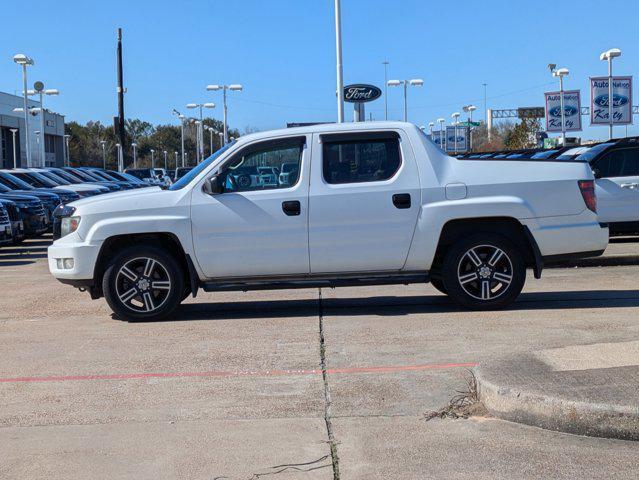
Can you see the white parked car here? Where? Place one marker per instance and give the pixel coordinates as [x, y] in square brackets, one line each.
[372, 203]
[616, 168]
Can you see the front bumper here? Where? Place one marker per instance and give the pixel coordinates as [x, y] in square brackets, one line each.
[35, 224]
[84, 259]
[6, 234]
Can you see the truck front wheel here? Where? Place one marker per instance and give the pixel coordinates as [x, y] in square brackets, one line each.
[143, 283]
[484, 272]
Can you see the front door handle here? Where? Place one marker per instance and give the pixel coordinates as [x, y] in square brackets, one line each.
[401, 200]
[631, 186]
[292, 207]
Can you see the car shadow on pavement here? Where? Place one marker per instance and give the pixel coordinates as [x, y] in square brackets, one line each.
[396, 305]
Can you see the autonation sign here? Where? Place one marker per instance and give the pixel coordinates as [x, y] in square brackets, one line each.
[621, 101]
[572, 111]
[456, 139]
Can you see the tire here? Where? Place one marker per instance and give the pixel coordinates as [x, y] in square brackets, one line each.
[129, 280]
[438, 284]
[484, 272]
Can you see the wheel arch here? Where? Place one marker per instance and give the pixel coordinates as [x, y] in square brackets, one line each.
[165, 240]
[509, 227]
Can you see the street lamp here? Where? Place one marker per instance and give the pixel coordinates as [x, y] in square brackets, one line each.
[200, 133]
[103, 143]
[15, 150]
[119, 147]
[561, 73]
[608, 56]
[415, 82]
[235, 87]
[152, 158]
[40, 90]
[441, 122]
[166, 163]
[430, 128]
[66, 142]
[470, 109]
[198, 130]
[24, 61]
[385, 63]
[176, 159]
[135, 156]
[181, 117]
[211, 130]
[455, 116]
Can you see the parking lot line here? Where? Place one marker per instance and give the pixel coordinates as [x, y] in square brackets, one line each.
[238, 373]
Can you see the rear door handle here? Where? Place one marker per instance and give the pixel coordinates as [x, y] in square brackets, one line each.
[631, 186]
[401, 200]
[292, 207]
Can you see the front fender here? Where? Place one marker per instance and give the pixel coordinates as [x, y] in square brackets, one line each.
[433, 216]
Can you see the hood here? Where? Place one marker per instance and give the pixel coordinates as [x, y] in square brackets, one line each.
[122, 201]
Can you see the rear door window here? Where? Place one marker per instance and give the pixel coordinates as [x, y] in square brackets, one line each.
[371, 158]
[618, 163]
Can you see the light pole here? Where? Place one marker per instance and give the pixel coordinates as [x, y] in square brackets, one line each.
[119, 150]
[24, 61]
[338, 62]
[200, 133]
[39, 90]
[135, 156]
[608, 55]
[37, 137]
[561, 73]
[66, 142]
[441, 122]
[152, 158]
[470, 109]
[386, 63]
[234, 87]
[181, 117]
[166, 163]
[176, 159]
[15, 150]
[430, 128]
[415, 82]
[211, 130]
[455, 117]
[103, 143]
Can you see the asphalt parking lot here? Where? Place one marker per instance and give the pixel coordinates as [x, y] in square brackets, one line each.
[232, 386]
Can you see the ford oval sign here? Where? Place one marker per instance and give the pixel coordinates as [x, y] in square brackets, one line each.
[617, 100]
[569, 111]
[360, 93]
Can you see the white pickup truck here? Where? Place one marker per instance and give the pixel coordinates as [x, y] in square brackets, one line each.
[369, 203]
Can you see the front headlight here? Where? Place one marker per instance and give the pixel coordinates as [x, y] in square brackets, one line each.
[69, 225]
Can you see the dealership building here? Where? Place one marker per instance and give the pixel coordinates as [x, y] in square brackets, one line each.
[10, 120]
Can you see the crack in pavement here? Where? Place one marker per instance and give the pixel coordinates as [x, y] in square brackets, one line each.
[327, 390]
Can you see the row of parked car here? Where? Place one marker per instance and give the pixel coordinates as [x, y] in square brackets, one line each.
[615, 165]
[29, 196]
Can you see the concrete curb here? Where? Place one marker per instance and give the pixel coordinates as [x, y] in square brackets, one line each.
[533, 407]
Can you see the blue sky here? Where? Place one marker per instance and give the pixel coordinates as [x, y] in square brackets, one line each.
[283, 52]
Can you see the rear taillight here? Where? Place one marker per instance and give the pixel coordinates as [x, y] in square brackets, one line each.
[587, 188]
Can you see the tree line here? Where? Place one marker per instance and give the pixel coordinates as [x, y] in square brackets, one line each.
[85, 147]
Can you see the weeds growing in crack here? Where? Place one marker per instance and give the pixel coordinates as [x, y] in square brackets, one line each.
[463, 405]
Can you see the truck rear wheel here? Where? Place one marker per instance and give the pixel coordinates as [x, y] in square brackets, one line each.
[484, 272]
[143, 283]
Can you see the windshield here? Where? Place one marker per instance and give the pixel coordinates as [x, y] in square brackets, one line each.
[186, 179]
[14, 183]
[86, 176]
[572, 153]
[544, 154]
[34, 179]
[591, 153]
[55, 178]
[67, 176]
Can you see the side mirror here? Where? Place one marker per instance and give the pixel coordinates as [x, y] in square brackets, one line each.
[213, 185]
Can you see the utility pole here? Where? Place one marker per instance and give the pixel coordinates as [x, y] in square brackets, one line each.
[120, 131]
[340, 72]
